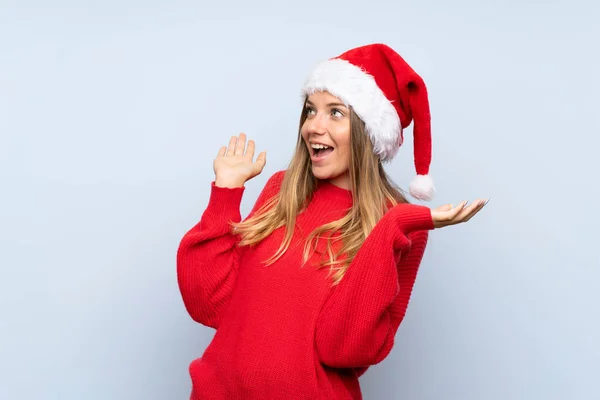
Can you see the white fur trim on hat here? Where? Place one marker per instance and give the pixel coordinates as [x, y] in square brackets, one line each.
[358, 89]
[422, 188]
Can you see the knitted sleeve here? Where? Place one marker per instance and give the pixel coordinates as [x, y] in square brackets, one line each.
[207, 256]
[357, 324]
[408, 267]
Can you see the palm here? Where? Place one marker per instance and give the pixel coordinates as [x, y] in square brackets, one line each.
[234, 165]
[447, 215]
[242, 165]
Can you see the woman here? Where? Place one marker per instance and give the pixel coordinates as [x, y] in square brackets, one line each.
[309, 290]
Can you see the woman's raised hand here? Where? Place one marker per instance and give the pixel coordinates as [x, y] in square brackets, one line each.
[234, 166]
[447, 215]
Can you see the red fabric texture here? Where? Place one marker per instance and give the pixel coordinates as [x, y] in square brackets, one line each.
[282, 331]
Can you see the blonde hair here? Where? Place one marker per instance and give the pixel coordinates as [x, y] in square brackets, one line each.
[373, 194]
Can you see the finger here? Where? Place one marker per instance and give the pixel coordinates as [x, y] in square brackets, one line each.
[467, 209]
[231, 148]
[444, 218]
[470, 211]
[454, 212]
[476, 210]
[250, 149]
[261, 160]
[259, 164]
[240, 147]
[445, 207]
[222, 151]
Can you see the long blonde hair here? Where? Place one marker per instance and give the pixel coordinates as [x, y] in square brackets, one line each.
[373, 193]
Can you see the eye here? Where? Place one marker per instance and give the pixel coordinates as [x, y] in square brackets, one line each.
[309, 110]
[337, 113]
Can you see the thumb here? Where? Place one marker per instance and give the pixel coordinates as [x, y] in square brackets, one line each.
[261, 161]
[445, 207]
[262, 157]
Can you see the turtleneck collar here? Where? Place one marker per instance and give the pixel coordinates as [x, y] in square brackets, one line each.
[330, 190]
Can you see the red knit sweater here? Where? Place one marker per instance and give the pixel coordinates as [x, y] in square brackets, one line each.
[282, 331]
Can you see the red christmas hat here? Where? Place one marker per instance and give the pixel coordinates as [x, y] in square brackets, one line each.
[387, 94]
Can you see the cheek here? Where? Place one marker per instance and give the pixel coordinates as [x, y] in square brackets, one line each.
[303, 133]
[345, 153]
[343, 142]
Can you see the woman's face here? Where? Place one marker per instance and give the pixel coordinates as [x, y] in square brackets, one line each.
[328, 124]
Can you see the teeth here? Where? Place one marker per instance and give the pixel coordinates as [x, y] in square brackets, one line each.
[319, 146]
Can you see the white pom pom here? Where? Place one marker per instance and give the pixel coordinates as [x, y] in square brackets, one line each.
[422, 187]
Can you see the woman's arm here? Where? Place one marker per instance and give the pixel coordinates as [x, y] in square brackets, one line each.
[207, 257]
[408, 266]
[358, 323]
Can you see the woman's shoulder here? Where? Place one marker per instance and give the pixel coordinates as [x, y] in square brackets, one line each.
[274, 183]
[276, 178]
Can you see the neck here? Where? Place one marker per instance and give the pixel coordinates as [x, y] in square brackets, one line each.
[342, 181]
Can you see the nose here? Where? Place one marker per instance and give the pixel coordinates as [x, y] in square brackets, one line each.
[317, 124]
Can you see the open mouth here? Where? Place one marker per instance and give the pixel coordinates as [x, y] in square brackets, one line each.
[321, 151]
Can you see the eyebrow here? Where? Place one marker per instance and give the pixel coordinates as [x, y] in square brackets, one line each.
[329, 104]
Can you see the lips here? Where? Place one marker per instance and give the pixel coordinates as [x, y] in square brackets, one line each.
[321, 155]
[324, 144]
[314, 151]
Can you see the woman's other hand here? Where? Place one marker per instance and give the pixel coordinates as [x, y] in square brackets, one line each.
[448, 215]
[234, 165]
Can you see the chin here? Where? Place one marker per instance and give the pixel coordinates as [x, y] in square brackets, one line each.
[320, 172]
[324, 173]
